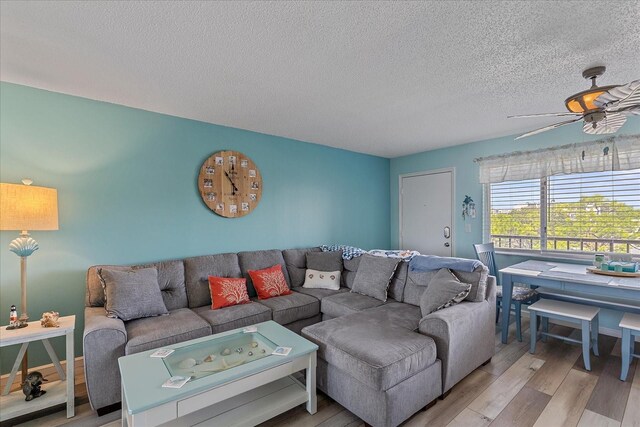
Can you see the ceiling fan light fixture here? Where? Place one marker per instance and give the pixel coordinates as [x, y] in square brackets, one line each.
[585, 101]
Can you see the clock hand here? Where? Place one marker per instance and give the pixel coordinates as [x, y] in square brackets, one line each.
[232, 183]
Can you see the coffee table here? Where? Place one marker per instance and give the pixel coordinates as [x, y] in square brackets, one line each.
[229, 387]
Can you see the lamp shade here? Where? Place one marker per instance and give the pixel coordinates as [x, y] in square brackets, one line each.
[26, 207]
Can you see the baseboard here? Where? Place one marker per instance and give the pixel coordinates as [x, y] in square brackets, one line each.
[616, 333]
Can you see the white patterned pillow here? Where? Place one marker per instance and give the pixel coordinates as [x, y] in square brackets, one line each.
[322, 279]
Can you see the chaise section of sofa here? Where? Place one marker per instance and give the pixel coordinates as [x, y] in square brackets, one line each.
[376, 365]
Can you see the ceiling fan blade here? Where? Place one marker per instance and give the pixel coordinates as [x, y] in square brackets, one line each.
[620, 96]
[521, 116]
[632, 109]
[546, 128]
[610, 124]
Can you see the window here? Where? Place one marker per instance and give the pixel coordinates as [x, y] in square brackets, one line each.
[578, 198]
[583, 212]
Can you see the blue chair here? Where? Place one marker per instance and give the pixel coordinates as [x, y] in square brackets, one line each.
[485, 252]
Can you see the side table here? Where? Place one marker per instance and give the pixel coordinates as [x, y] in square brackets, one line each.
[13, 404]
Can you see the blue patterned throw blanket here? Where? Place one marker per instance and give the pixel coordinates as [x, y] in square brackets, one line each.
[403, 255]
[348, 252]
[431, 262]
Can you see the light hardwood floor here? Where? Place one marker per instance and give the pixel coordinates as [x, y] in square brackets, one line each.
[517, 389]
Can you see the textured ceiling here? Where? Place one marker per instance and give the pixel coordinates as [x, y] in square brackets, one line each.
[382, 78]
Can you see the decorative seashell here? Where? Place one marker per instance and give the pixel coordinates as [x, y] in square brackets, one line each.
[187, 363]
[263, 351]
[23, 246]
[226, 352]
[251, 353]
[254, 344]
[210, 358]
[239, 350]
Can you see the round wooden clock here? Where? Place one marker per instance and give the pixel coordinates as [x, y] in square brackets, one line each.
[230, 184]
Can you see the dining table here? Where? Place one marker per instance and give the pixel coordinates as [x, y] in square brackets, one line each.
[570, 282]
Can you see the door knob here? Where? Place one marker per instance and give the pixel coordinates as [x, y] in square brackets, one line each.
[447, 232]
[446, 245]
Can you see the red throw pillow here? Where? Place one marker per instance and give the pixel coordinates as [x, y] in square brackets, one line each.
[226, 291]
[269, 282]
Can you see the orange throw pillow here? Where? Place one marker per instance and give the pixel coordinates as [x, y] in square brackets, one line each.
[269, 282]
[226, 291]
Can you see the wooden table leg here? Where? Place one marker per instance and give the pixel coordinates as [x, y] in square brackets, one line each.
[507, 288]
[22, 353]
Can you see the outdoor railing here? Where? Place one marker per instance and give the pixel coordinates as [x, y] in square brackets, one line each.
[581, 244]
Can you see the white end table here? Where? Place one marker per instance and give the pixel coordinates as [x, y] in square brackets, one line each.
[13, 404]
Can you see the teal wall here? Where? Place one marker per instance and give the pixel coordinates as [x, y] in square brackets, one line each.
[126, 181]
[466, 174]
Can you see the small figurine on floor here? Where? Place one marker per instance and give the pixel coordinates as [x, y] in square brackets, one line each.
[31, 385]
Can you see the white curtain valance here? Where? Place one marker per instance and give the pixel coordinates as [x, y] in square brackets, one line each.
[614, 153]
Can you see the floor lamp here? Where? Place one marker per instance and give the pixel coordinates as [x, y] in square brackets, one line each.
[26, 207]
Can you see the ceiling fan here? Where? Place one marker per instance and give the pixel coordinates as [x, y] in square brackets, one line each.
[603, 108]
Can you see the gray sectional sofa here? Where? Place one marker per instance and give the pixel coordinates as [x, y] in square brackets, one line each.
[381, 360]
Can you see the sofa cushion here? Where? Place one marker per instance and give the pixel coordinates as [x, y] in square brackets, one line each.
[170, 281]
[371, 348]
[289, 308]
[444, 290]
[318, 293]
[345, 303]
[132, 294]
[296, 262]
[400, 314]
[197, 271]
[154, 332]
[416, 285]
[374, 276]
[325, 261]
[350, 270]
[396, 288]
[478, 280]
[237, 316]
[258, 260]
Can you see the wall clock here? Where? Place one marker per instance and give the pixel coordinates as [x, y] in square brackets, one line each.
[230, 184]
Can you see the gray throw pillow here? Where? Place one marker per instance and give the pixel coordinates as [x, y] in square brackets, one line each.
[374, 276]
[132, 294]
[444, 290]
[325, 261]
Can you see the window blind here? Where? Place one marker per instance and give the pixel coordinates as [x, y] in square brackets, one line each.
[592, 212]
[515, 214]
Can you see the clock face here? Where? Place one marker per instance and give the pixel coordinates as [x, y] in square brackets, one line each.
[230, 184]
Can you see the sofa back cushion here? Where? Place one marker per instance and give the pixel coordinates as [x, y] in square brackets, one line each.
[478, 280]
[170, 279]
[416, 285]
[396, 289]
[197, 271]
[259, 260]
[296, 262]
[350, 270]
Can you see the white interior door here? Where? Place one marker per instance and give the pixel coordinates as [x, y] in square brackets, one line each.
[426, 212]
